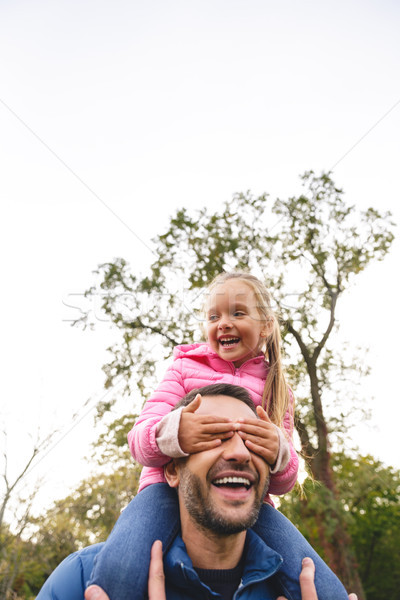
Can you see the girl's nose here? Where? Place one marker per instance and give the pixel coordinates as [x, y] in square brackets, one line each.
[225, 323]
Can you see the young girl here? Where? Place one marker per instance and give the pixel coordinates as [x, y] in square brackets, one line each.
[243, 349]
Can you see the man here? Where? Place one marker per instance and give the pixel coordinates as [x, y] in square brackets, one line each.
[220, 492]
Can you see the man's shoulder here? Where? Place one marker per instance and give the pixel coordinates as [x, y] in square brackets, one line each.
[68, 580]
[259, 556]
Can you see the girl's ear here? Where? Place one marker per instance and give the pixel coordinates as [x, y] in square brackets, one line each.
[267, 328]
[171, 473]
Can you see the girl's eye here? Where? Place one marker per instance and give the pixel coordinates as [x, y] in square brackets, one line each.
[239, 313]
[212, 317]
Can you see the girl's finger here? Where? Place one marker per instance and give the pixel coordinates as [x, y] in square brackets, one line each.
[255, 423]
[209, 419]
[217, 428]
[206, 439]
[263, 414]
[262, 452]
[264, 432]
[193, 406]
[203, 446]
[253, 439]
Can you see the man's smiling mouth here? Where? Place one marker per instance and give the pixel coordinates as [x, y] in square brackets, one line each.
[233, 482]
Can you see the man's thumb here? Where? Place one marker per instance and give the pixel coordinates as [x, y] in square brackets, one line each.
[94, 592]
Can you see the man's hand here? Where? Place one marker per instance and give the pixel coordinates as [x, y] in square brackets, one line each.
[202, 432]
[260, 436]
[156, 585]
[95, 592]
[308, 591]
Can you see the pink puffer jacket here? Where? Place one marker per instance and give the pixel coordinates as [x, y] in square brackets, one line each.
[194, 366]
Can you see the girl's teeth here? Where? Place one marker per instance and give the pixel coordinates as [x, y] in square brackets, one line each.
[229, 342]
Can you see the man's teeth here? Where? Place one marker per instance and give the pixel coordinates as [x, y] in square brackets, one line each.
[235, 480]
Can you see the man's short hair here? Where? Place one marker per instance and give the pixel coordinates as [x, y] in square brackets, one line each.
[219, 389]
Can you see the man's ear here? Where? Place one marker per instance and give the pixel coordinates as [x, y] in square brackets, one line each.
[171, 473]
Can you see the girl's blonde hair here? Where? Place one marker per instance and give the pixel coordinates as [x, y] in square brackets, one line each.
[275, 398]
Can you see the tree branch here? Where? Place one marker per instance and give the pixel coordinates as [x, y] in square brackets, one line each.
[319, 347]
[153, 329]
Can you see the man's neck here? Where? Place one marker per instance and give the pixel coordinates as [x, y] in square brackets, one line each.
[208, 550]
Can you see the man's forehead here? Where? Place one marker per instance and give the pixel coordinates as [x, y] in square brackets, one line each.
[224, 406]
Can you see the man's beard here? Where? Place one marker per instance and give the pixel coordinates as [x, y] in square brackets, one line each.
[200, 507]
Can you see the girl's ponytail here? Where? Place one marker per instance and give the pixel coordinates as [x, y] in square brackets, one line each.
[275, 399]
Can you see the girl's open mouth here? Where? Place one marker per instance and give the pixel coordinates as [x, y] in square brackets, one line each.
[229, 342]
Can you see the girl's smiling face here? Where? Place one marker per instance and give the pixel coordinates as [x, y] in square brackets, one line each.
[235, 327]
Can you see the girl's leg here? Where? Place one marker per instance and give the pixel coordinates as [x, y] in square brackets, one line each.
[121, 568]
[283, 537]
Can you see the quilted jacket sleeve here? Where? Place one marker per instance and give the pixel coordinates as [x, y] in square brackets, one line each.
[283, 481]
[142, 438]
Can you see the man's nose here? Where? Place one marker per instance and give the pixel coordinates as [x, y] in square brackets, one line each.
[235, 449]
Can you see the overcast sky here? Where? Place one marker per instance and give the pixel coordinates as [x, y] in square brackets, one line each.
[115, 114]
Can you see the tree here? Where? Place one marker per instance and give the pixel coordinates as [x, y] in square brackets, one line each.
[84, 517]
[370, 497]
[370, 492]
[15, 516]
[308, 249]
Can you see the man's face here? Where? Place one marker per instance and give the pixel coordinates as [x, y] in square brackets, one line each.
[222, 489]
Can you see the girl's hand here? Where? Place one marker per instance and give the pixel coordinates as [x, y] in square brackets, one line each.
[202, 432]
[260, 436]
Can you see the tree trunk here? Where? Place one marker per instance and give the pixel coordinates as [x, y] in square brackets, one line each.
[338, 548]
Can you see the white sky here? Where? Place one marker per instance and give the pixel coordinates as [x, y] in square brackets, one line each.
[160, 104]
